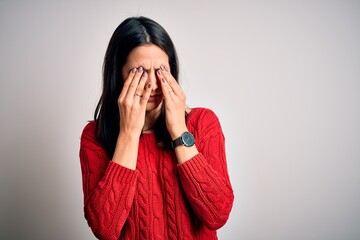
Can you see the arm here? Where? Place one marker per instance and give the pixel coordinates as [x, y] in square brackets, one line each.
[206, 183]
[203, 175]
[109, 186]
[109, 190]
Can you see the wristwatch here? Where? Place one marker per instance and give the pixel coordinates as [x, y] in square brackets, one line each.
[186, 139]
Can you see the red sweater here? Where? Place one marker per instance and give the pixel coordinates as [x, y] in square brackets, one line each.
[160, 199]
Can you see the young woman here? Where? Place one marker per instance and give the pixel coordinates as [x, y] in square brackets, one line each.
[151, 167]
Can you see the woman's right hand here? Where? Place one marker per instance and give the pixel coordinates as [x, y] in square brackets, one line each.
[132, 107]
[132, 102]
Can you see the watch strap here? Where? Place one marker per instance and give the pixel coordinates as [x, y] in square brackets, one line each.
[177, 142]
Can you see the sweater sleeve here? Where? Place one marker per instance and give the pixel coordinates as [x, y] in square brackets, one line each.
[205, 178]
[108, 187]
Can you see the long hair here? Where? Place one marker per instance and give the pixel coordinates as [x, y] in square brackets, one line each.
[131, 33]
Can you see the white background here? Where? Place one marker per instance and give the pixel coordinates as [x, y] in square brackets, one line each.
[282, 76]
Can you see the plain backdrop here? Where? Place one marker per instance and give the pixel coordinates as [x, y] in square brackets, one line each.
[282, 76]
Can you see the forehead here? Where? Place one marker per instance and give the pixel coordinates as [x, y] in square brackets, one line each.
[147, 56]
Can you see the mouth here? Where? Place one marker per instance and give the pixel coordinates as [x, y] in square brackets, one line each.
[155, 97]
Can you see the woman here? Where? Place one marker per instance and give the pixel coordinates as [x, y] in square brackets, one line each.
[151, 167]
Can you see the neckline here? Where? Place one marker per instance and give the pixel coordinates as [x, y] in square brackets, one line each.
[189, 114]
[147, 133]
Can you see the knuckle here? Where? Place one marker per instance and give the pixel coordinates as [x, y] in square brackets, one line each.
[120, 99]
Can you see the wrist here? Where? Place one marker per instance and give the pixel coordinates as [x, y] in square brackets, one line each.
[127, 137]
[177, 133]
[126, 150]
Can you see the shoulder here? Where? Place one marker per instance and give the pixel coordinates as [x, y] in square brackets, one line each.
[88, 137]
[202, 115]
[203, 120]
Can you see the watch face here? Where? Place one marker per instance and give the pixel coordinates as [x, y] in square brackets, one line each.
[188, 139]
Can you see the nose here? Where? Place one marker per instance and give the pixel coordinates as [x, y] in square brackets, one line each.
[152, 79]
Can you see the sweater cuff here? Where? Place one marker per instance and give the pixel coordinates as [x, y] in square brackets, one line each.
[193, 165]
[120, 173]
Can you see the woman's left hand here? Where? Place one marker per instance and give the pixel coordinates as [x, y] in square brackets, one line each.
[175, 102]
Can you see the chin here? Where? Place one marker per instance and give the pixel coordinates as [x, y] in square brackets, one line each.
[150, 106]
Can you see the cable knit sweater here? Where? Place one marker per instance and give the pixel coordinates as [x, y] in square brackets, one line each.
[160, 199]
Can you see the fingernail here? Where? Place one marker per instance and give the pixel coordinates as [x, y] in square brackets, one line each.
[133, 70]
[140, 69]
[163, 80]
[159, 72]
[149, 85]
[144, 74]
[166, 68]
[162, 67]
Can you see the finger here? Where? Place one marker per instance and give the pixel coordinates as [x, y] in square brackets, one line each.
[128, 82]
[173, 84]
[134, 83]
[146, 95]
[140, 87]
[166, 90]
